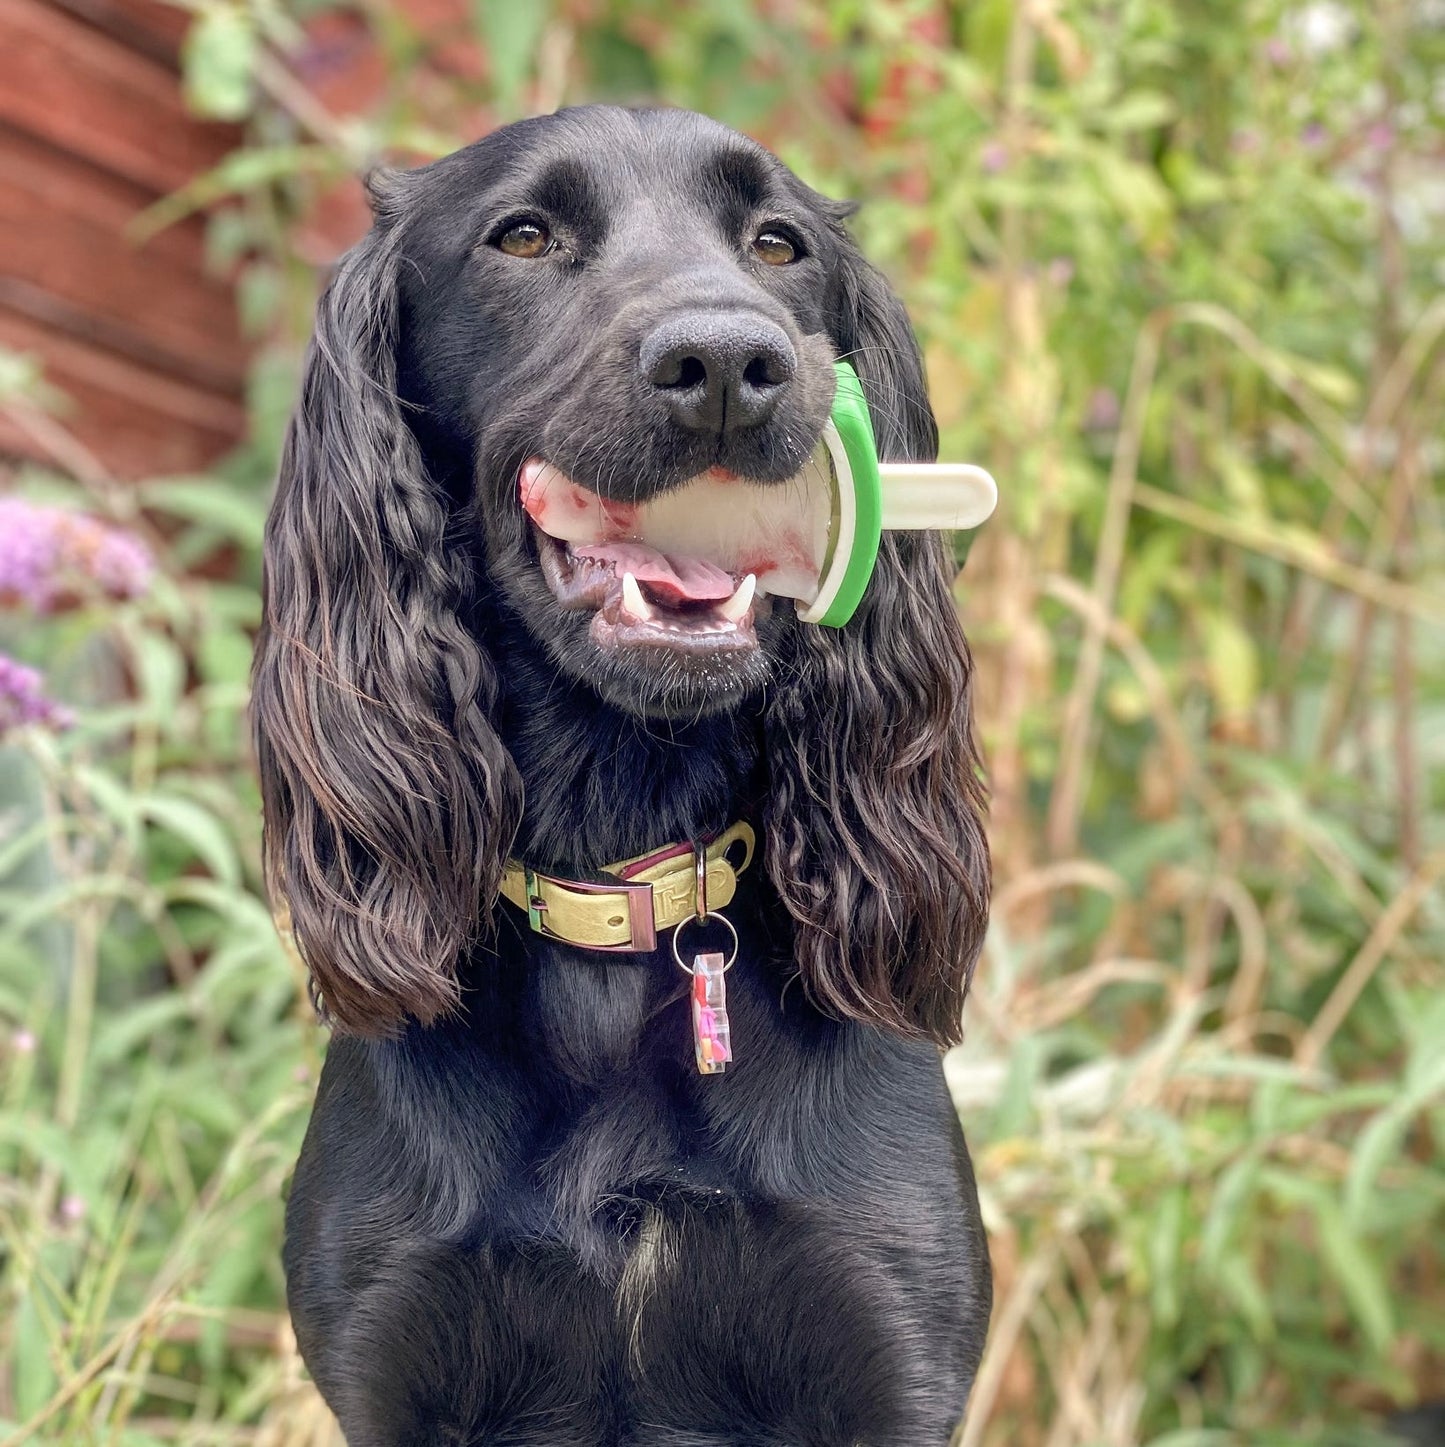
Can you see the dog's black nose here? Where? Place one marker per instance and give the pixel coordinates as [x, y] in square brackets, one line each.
[718, 371]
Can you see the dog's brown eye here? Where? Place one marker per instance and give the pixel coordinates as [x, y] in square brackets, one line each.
[526, 239]
[774, 248]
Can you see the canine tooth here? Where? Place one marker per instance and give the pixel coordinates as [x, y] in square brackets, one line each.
[632, 600]
[736, 606]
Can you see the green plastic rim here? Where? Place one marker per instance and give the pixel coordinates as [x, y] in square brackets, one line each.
[859, 503]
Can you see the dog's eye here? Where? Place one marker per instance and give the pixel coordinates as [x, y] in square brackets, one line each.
[774, 248]
[526, 239]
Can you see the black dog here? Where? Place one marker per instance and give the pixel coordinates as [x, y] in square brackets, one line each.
[522, 1215]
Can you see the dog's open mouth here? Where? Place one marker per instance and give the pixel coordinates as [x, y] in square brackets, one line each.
[643, 599]
[690, 571]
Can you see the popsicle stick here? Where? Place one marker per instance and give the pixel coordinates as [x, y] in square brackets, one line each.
[935, 495]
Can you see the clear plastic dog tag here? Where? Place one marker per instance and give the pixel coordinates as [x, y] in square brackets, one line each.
[710, 1035]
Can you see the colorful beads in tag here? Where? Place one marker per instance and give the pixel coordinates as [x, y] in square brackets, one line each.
[711, 1034]
[711, 1037]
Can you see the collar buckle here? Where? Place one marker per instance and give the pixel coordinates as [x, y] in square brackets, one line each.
[638, 895]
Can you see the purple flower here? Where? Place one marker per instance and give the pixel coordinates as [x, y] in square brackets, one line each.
[1380, 136]
[120, 563]
[23, 700]
[1314, 135]
[1277, 51]
[50, 557]
[993, 157]
[1101, 413]
[1061, 270]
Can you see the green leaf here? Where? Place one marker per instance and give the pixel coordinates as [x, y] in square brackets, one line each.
[32, 1376]
[1194, 1437]
[1015, 1109]
[1232, 662]
[210, 502]
[162, 673]
[1166, 1235]
[1425, 1074]
[224, 655]
[119, 1035]
[238, 173]
[1226, 1211]
[1376, 1145]
[112, 797]
[197, 827]
[15, 850]
[1141, 197]
[219, 57]
[510, 31]
[1382, 1140]
[623, 70]
[1238, 1282]
[1359, 1277]
[42, 1141]
[1138, 111]
[17, 917]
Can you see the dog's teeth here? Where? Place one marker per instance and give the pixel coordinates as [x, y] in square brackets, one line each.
[736, 606]
[632, 600]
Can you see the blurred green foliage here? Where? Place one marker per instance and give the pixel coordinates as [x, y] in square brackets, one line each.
[1177, 268]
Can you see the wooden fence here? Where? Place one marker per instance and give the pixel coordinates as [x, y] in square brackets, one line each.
[141, 337]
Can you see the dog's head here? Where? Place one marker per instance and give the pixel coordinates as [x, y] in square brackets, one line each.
[620, 302]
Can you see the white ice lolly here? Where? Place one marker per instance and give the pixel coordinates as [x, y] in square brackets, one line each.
[813, 538]
[947, 495]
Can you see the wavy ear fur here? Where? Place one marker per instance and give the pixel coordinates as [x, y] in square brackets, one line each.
[390, 802]
[874, 832]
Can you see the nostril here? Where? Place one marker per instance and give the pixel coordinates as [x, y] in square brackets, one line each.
[766, 372]
[690, 373]
[678, 369]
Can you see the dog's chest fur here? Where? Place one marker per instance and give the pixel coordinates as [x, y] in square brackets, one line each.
[620, 1262]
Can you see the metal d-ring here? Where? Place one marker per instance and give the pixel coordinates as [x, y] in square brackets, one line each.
[699, 897]
[722, 919]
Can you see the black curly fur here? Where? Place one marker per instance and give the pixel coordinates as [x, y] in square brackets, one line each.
[520, 1215]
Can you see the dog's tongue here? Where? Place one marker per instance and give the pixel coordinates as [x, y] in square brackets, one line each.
[670, 580]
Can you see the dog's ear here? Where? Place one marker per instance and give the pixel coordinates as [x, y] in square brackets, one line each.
[875, 838]
[389, 799]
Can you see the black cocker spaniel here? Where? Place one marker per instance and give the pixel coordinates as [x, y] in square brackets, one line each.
[523, 1213]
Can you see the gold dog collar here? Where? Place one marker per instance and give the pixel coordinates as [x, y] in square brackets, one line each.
[655, 892]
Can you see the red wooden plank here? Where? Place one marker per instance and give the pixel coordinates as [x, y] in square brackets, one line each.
[139, 422]
[168, 23]
[102, 287]
[76, 188]
[148, 27]
[84, 91]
